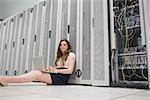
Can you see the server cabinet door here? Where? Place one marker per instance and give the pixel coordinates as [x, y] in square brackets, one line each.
[146, 6]
[99, 43]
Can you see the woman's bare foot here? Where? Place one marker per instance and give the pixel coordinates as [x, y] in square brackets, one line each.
[3, 82]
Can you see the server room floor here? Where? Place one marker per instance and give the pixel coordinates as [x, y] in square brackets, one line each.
[40, 91]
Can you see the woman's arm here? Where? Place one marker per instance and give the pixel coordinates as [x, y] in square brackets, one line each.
[70, 67]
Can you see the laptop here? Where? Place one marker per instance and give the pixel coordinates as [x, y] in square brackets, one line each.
[38, 62]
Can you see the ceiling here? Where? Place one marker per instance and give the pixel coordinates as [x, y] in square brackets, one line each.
[12, 7]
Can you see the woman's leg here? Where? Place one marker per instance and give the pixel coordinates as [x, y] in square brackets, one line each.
[28, 77]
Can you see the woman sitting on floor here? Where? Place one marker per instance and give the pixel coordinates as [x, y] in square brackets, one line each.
[65, 59]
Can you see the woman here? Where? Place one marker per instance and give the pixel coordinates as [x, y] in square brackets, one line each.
[64, 66]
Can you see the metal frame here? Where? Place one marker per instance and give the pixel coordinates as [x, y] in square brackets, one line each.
[146, 10]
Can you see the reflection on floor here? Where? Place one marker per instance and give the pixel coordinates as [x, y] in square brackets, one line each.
[40, 91]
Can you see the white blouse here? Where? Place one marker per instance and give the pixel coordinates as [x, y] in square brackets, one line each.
[71, 56]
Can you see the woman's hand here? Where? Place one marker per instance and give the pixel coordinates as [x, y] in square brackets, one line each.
[50, 68]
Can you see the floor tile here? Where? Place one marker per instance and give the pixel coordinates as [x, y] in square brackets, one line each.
[40, 91]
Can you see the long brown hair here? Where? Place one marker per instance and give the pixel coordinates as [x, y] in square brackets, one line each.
[60, 54]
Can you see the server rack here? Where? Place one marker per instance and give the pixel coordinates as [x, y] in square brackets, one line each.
[146, 9]
[18, 43]
[6, 45]
[37, 31]
[3, 46]
[24, 43]
[128, 44]
[92, 43]
[52, 31]
[72, 31]
[49, 32]
[9, 46]
[1, 43]
[46, 32]
[100, 43]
